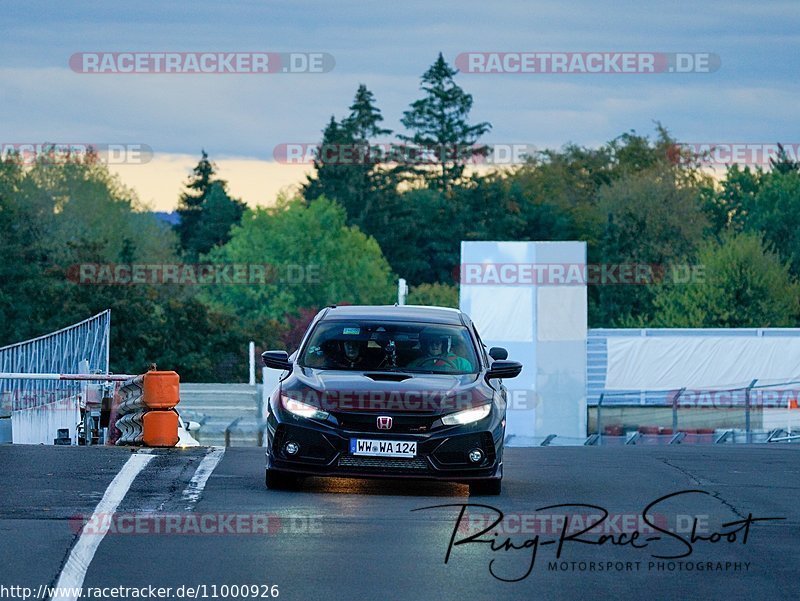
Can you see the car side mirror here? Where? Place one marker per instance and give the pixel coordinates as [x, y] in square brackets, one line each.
[498, 353]
[277, 360]
[504, 369]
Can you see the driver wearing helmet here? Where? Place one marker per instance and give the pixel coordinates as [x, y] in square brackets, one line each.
[437, 354]
[352, 354]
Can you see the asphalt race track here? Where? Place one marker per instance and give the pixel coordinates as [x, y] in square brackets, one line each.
[358, 539]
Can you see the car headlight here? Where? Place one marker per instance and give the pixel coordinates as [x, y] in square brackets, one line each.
[467, 416]
[295, 407]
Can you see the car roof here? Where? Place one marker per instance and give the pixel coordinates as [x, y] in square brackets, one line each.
[441, 315]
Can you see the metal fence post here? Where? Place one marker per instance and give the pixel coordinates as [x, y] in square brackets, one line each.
[599, 418]
[747, 430]
[675, 409]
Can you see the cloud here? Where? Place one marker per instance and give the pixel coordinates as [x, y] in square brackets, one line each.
[387, 47]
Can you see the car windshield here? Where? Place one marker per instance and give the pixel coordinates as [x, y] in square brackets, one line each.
[391, 346]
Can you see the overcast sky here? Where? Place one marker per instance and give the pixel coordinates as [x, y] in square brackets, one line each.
[240, 118]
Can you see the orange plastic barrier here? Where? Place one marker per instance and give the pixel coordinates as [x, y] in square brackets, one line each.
[161, 389]
[160, 429]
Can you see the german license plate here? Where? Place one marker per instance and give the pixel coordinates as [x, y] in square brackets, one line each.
[383, 448]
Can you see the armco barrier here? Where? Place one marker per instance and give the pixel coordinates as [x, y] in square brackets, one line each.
[144, 410]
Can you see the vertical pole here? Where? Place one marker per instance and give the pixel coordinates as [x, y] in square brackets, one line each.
[252, 354]
[600, 418]
[675, 410]
[107, 334]
[83, 368]
[747, 430]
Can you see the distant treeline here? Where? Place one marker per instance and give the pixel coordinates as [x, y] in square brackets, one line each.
[356, 226]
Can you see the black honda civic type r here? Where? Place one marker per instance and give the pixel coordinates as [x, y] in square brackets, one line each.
[389, 391]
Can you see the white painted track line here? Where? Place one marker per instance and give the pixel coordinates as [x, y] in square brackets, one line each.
[80, 557]
[192, 492]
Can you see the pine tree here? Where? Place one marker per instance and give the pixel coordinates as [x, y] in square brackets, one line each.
[190, 203]
[348, 163]
[782, 163]
[365, 118]
[220, 213]
[440, 126]
[367, 179]
[331, 178]
[207, 211]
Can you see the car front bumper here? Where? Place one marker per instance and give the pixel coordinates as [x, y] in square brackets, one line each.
[441, 454]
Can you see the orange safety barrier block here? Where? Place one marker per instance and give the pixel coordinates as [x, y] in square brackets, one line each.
[161, 389]
[160, 429]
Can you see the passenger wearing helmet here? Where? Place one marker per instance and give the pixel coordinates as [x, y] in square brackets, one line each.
[437, 355]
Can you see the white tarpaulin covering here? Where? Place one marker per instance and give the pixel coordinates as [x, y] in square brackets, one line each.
[650, 363]
[514, 323]
[520, 297]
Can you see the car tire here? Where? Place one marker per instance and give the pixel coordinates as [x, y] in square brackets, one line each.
[275, 480]
[488, 488]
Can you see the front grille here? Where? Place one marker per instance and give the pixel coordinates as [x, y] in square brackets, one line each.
[384, 464]
[401, 424]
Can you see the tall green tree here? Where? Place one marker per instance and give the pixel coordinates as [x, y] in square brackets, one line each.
[332, 178]
[742, 285]
[370, 183]
[206, 210]
[651, 220]
[783, 163]
[190, 203]
[730, 204]
[439, 126]
[219, 214]
[364, 120]
[348, 166]
[775, 214]
[313, 259]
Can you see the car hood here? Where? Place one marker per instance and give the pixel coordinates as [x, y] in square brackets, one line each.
[334, 390]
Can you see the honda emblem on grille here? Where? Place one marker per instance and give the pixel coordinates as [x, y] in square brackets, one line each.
[384, 422]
